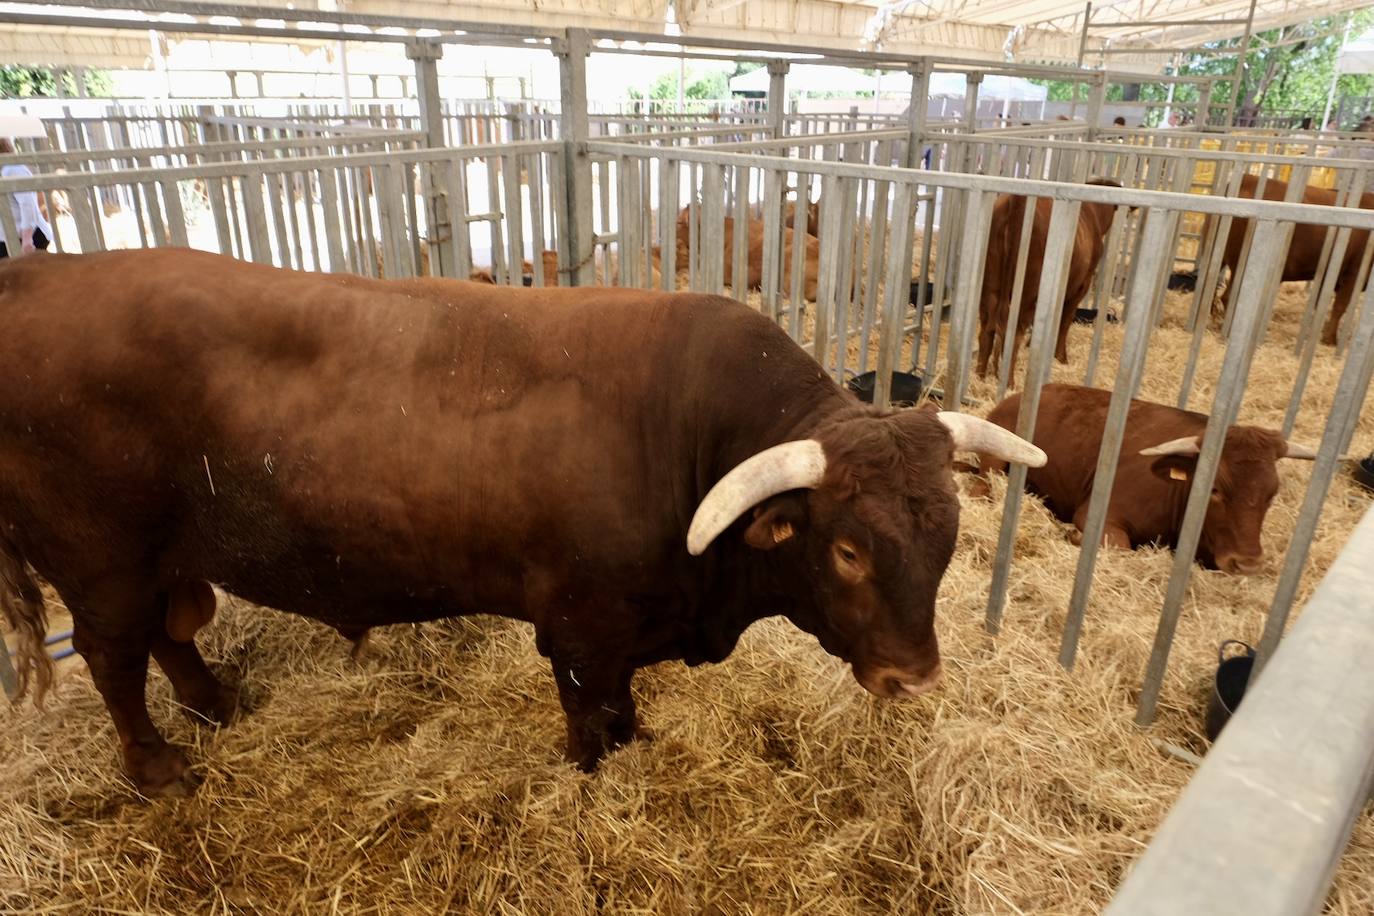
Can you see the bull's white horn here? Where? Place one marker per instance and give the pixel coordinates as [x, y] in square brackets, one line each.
[1188, 445]
[1303, 452]
[974, 434]
[798, 465]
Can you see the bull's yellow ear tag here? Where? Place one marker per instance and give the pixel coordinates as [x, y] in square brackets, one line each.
[1178, 474]
[782, 532]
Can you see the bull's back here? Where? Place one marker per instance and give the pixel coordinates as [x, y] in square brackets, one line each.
[290, 434]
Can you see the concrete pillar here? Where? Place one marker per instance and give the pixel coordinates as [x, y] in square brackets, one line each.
[777, 98]
[59, 82]
[1204, 105]
[975, 80]
[577, 243]
[376, 92]
[79, 78]
[1097, 97]
[426, 55]
[916, 114]
[233, 83]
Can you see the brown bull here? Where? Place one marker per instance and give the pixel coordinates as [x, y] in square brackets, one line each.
[639, 475]
[1004, 244]
[1305, 249]
[1158, 458]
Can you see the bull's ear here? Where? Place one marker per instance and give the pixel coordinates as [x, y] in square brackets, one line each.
[1175, 467]
[776, 521]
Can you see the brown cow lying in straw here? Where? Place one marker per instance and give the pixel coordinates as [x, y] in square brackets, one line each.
[1158, 458]
[1004, 243]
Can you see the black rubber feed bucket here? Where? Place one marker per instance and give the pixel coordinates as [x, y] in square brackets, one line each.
[1228, 687]
[1363, 472]
[905, 387]
[1088, 316]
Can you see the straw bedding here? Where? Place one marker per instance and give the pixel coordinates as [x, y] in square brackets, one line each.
[428, 776]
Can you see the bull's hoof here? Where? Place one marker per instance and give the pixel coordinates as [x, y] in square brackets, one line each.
[226, 708]
[160, 772]
[222, 709]
[585, 748]
[1075, 537]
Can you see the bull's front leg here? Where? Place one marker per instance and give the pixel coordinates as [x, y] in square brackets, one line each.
[595, 693]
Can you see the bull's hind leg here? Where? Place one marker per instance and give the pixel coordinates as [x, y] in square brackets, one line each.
[1338, 307]
[113, 628]
[196, 687]
[189, 606]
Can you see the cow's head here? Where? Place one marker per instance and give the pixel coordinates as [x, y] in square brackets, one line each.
[861, 522]
[1246, 482]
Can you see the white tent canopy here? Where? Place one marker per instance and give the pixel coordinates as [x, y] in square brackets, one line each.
[975, 30]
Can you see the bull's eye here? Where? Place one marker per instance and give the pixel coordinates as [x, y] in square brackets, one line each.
[847, 562]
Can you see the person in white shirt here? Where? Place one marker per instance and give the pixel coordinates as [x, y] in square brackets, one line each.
[35, 232]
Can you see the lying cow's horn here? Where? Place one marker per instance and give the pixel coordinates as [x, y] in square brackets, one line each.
[974, 434]
[1302, 452]
[790, 466]
[1188, 445]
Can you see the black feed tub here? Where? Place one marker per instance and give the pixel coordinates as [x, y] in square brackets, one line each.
[1228, 687]
[1363, 472]
[905, 388]
[1088, 316]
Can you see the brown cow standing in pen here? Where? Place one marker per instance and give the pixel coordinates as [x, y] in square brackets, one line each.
[1004, 243]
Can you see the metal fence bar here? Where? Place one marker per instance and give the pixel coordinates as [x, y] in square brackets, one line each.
[964, 313]
[1155, 260]
[1261, 826]
[1048, 307]
[1346, 404]
[1230, 387]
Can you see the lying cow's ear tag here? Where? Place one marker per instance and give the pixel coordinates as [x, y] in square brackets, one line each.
[1178, 474]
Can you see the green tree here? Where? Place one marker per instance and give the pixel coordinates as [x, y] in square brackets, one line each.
[1287, 69]
[18, 82]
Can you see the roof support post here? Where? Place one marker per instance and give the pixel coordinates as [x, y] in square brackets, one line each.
[1083, 38]
[916, 113]
[1097, 97]
[975, 79]
[577, 163]
[426, 56]
[343, 79]
[777, 98]
[1240, 67]
[1204, 105]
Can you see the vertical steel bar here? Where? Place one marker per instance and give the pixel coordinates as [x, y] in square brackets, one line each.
[1048, 305]
[1156, 259]
[1230, 388]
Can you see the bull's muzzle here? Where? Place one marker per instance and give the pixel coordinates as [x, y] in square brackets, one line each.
[894, 683]
[1241, 565]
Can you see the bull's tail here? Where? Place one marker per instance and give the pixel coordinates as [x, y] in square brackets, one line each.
[22, 604]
